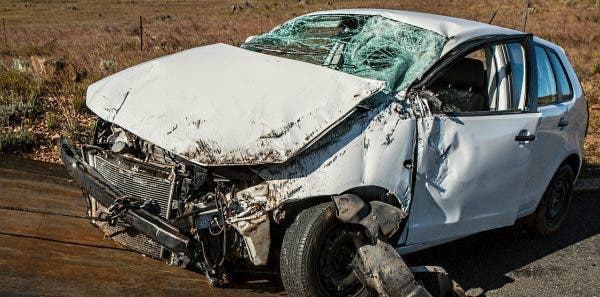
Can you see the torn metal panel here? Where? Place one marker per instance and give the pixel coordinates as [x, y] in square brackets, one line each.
[382, 270]
[379, 218]
[222, 105]
[445, 285]
[256, 233]
[368, 149]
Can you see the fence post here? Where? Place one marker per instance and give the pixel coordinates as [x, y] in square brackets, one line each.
[525, 13]
[141, 35]
[4, 28]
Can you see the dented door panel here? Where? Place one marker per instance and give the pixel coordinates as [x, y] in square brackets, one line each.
[470, 174]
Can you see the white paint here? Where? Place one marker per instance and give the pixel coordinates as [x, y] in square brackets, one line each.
[369, 150]
[471, 175]
[554, 144]
[222, 105]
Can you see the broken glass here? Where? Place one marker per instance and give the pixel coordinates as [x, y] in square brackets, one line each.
[368, 46]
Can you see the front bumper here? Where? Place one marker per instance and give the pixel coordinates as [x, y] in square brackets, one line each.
[93, 184]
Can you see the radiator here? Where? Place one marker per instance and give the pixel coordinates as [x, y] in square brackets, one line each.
[141, 180]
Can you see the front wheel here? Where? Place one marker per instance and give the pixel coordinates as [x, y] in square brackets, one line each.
[316, 253]
[552, 209]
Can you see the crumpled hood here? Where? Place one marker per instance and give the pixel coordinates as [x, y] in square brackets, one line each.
[223, 105]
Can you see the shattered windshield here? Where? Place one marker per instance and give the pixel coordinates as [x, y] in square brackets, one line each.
[368, 46]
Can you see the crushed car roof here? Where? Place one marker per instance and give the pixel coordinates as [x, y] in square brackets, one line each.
[455, 29]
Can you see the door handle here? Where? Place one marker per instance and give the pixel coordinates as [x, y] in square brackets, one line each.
[563, 123]
[530, 137]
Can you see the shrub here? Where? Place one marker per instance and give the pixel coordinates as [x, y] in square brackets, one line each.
[14, 83]
[15, 111]
[16, 142]
[52, 121]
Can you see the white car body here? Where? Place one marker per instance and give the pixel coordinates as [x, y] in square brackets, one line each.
[304, 130]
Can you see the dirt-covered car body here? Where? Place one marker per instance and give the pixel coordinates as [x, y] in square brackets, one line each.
[230, 143]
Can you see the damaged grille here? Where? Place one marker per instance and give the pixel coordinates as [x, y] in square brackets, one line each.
[127, 236]
[140, 180]
[137, 184]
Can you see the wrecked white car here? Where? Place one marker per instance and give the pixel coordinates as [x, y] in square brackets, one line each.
[333, 133]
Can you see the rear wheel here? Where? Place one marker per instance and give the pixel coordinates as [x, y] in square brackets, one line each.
[316, 253]
[552, 209]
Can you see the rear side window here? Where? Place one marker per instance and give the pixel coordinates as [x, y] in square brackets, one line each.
[564, 86]
[546, 83]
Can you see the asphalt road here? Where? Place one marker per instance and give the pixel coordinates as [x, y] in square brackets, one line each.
[55, 256]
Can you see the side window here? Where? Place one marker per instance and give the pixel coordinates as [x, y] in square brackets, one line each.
[481, 81]
[564, 85]
[546, 84]
[516, 56]
[462, 87]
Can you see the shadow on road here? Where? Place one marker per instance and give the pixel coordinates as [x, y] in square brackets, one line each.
[67, 242]
[483, 260]
[257, 283]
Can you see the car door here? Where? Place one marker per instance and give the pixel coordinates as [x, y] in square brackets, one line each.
[474, 146]
[554, 100]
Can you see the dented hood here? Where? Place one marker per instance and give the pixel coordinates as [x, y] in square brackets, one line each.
[223, 105]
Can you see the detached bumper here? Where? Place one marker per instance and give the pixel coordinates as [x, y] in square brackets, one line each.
[92, 183]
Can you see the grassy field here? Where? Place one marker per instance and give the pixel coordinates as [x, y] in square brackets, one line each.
[51, 50]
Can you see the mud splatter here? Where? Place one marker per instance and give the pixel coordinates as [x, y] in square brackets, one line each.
[172, 129]
[277, 133]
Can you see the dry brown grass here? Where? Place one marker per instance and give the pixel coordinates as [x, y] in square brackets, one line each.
[100, 38]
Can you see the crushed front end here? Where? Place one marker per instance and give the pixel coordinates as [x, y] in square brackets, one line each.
[164, 207]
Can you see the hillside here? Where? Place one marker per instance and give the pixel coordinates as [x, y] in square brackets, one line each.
[51, 50]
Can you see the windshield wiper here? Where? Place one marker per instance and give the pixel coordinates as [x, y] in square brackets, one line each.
[281, 51]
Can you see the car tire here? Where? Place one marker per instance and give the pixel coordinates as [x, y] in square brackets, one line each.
[553, 206]
[316, 251]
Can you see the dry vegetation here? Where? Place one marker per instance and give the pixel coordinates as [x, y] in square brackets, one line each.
[51, 50]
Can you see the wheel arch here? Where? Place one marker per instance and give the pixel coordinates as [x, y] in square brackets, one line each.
[366, 192]
[574, 161]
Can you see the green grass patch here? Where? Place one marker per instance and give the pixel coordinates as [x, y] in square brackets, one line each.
[20, 97]
[17, 84]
